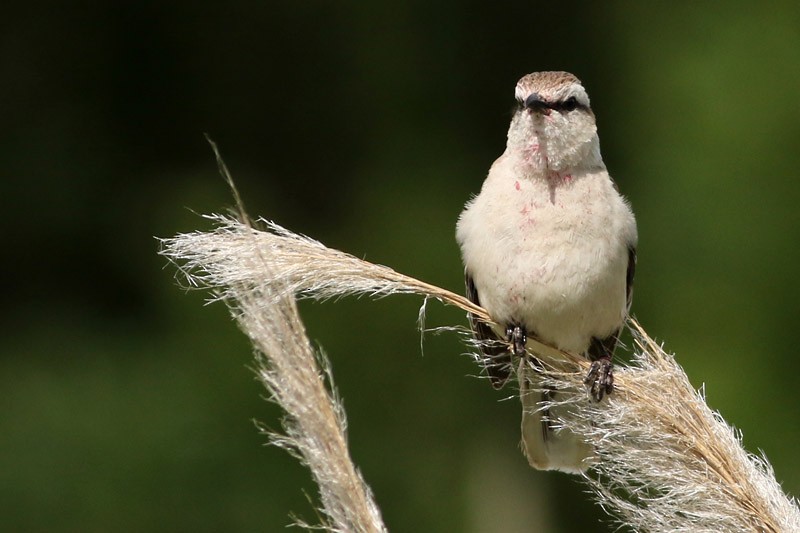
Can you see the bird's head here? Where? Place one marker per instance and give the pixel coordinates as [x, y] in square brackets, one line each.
[553, 121]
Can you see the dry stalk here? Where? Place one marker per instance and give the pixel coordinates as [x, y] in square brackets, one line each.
[664, 460]
[288, 367]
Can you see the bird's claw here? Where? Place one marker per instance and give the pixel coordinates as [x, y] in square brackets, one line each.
[518, 337]
[600, 378]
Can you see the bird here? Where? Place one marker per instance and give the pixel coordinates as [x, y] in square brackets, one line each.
[549, 251]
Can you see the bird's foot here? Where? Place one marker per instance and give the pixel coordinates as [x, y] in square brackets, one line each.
[600, 378]
[517, 337]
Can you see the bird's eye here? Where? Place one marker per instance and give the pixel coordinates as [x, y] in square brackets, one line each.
[569, 104]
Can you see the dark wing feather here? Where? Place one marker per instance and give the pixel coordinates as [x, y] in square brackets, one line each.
[604, 348]
[497, 358]
[630, 274]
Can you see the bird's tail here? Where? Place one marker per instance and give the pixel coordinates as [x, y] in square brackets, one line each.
[546, 446]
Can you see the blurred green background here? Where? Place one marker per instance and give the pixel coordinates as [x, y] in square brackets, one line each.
[127, 404]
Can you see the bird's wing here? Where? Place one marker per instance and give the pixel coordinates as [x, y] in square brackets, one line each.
[600, 348]
[497, 359]
[631, 272]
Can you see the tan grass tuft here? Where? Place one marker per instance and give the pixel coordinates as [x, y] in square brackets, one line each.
[665, 461]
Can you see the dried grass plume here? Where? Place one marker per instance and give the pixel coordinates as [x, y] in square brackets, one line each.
[665, 462]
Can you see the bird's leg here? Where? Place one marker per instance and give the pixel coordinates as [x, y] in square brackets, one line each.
[600, 378]
[517, 337]
[547, 426]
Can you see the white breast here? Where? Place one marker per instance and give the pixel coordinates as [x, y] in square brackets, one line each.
[550, 253]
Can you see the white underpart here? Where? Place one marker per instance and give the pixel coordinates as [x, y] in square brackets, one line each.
[550, 254]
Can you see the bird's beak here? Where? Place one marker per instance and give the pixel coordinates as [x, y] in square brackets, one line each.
[535, 103]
